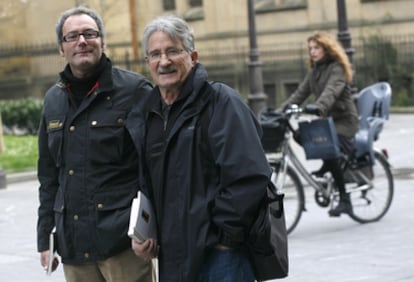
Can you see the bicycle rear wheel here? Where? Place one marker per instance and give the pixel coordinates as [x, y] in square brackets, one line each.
[294, 199]
[372, 204]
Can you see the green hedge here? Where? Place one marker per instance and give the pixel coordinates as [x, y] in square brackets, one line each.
[23, 114]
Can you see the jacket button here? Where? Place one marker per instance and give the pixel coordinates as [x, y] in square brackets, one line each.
[71, 172]
[108, 98]
[120, 120]
[86, 255]
[75, 217]
[94, 123]
[72, 128]
[100, 206]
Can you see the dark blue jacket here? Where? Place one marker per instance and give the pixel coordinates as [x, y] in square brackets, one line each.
[206, 183]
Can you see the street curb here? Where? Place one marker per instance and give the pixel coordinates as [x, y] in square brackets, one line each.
[402, 110]
[21, 177]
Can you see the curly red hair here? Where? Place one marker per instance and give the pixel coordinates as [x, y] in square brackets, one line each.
[334, 49]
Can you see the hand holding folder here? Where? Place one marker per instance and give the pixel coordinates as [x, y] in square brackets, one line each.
[53, 260]
[142, 224]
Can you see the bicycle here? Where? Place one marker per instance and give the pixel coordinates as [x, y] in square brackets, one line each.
[369, 180]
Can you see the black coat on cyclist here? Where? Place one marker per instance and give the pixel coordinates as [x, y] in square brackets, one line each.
[329, 80]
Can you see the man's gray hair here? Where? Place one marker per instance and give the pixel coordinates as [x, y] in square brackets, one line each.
[78, 11]
[176, 28]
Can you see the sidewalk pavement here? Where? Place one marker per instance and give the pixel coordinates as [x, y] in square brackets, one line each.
[321, 248]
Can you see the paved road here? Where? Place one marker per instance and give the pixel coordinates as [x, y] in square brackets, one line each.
[338, 249]
[321, 248]
[19, 260]
[330, 249]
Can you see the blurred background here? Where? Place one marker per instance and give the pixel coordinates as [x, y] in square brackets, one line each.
[255, 46]
[381, 33]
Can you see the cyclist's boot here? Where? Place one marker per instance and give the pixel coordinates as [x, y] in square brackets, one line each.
[344, 206]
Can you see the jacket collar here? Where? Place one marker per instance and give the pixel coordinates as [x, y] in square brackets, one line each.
[327, 59]
[190, 91]
[101, 80]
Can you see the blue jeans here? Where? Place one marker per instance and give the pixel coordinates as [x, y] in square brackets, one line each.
[226, 266]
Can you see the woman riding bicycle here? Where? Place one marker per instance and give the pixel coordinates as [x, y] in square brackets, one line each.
[329, 79]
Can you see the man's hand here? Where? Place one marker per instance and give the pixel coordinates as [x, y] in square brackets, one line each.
[146, 250]
[44, 261]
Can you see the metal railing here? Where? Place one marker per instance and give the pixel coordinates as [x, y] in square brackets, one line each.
[375, 58]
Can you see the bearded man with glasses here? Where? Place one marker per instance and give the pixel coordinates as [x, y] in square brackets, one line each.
[88, 164]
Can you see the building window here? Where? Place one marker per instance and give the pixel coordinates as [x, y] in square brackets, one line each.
[196, 11]
[279, 5]
[289, 88]
[168, 5]
[196, 3]
[270, 91]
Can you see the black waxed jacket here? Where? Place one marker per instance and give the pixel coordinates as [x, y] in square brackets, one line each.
[206, 184]
[87, 167]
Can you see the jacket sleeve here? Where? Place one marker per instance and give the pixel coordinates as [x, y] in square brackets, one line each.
[301, 93]
[234, 137]
[48, 178]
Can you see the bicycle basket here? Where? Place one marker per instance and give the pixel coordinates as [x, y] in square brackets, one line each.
[274, 126]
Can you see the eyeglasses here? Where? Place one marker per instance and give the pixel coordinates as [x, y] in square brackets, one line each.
[87, 34]
[171, 54]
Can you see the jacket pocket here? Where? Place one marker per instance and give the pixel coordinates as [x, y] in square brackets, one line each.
[55, 126]
[112, 219]
[62, 244]
[107, 137]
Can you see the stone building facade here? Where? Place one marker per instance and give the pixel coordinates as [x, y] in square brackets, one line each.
[221, 29]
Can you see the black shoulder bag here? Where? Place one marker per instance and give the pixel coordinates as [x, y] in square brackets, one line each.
[268, 243]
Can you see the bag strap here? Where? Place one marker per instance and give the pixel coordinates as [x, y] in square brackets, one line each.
[207, 113]
[276, 199]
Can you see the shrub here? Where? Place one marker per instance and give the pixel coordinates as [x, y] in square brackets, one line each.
[400, 98]
[23, 114]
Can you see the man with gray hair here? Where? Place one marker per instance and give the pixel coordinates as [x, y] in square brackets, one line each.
[88, 164]
[205, 168]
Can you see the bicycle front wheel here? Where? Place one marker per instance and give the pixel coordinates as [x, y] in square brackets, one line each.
[372, 204]
[294, 199]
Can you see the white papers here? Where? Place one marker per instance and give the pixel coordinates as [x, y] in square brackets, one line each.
[142, 225]
[52, 252]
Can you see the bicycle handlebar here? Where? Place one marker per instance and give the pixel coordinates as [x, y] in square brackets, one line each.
[293, 109]
[311, 109]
